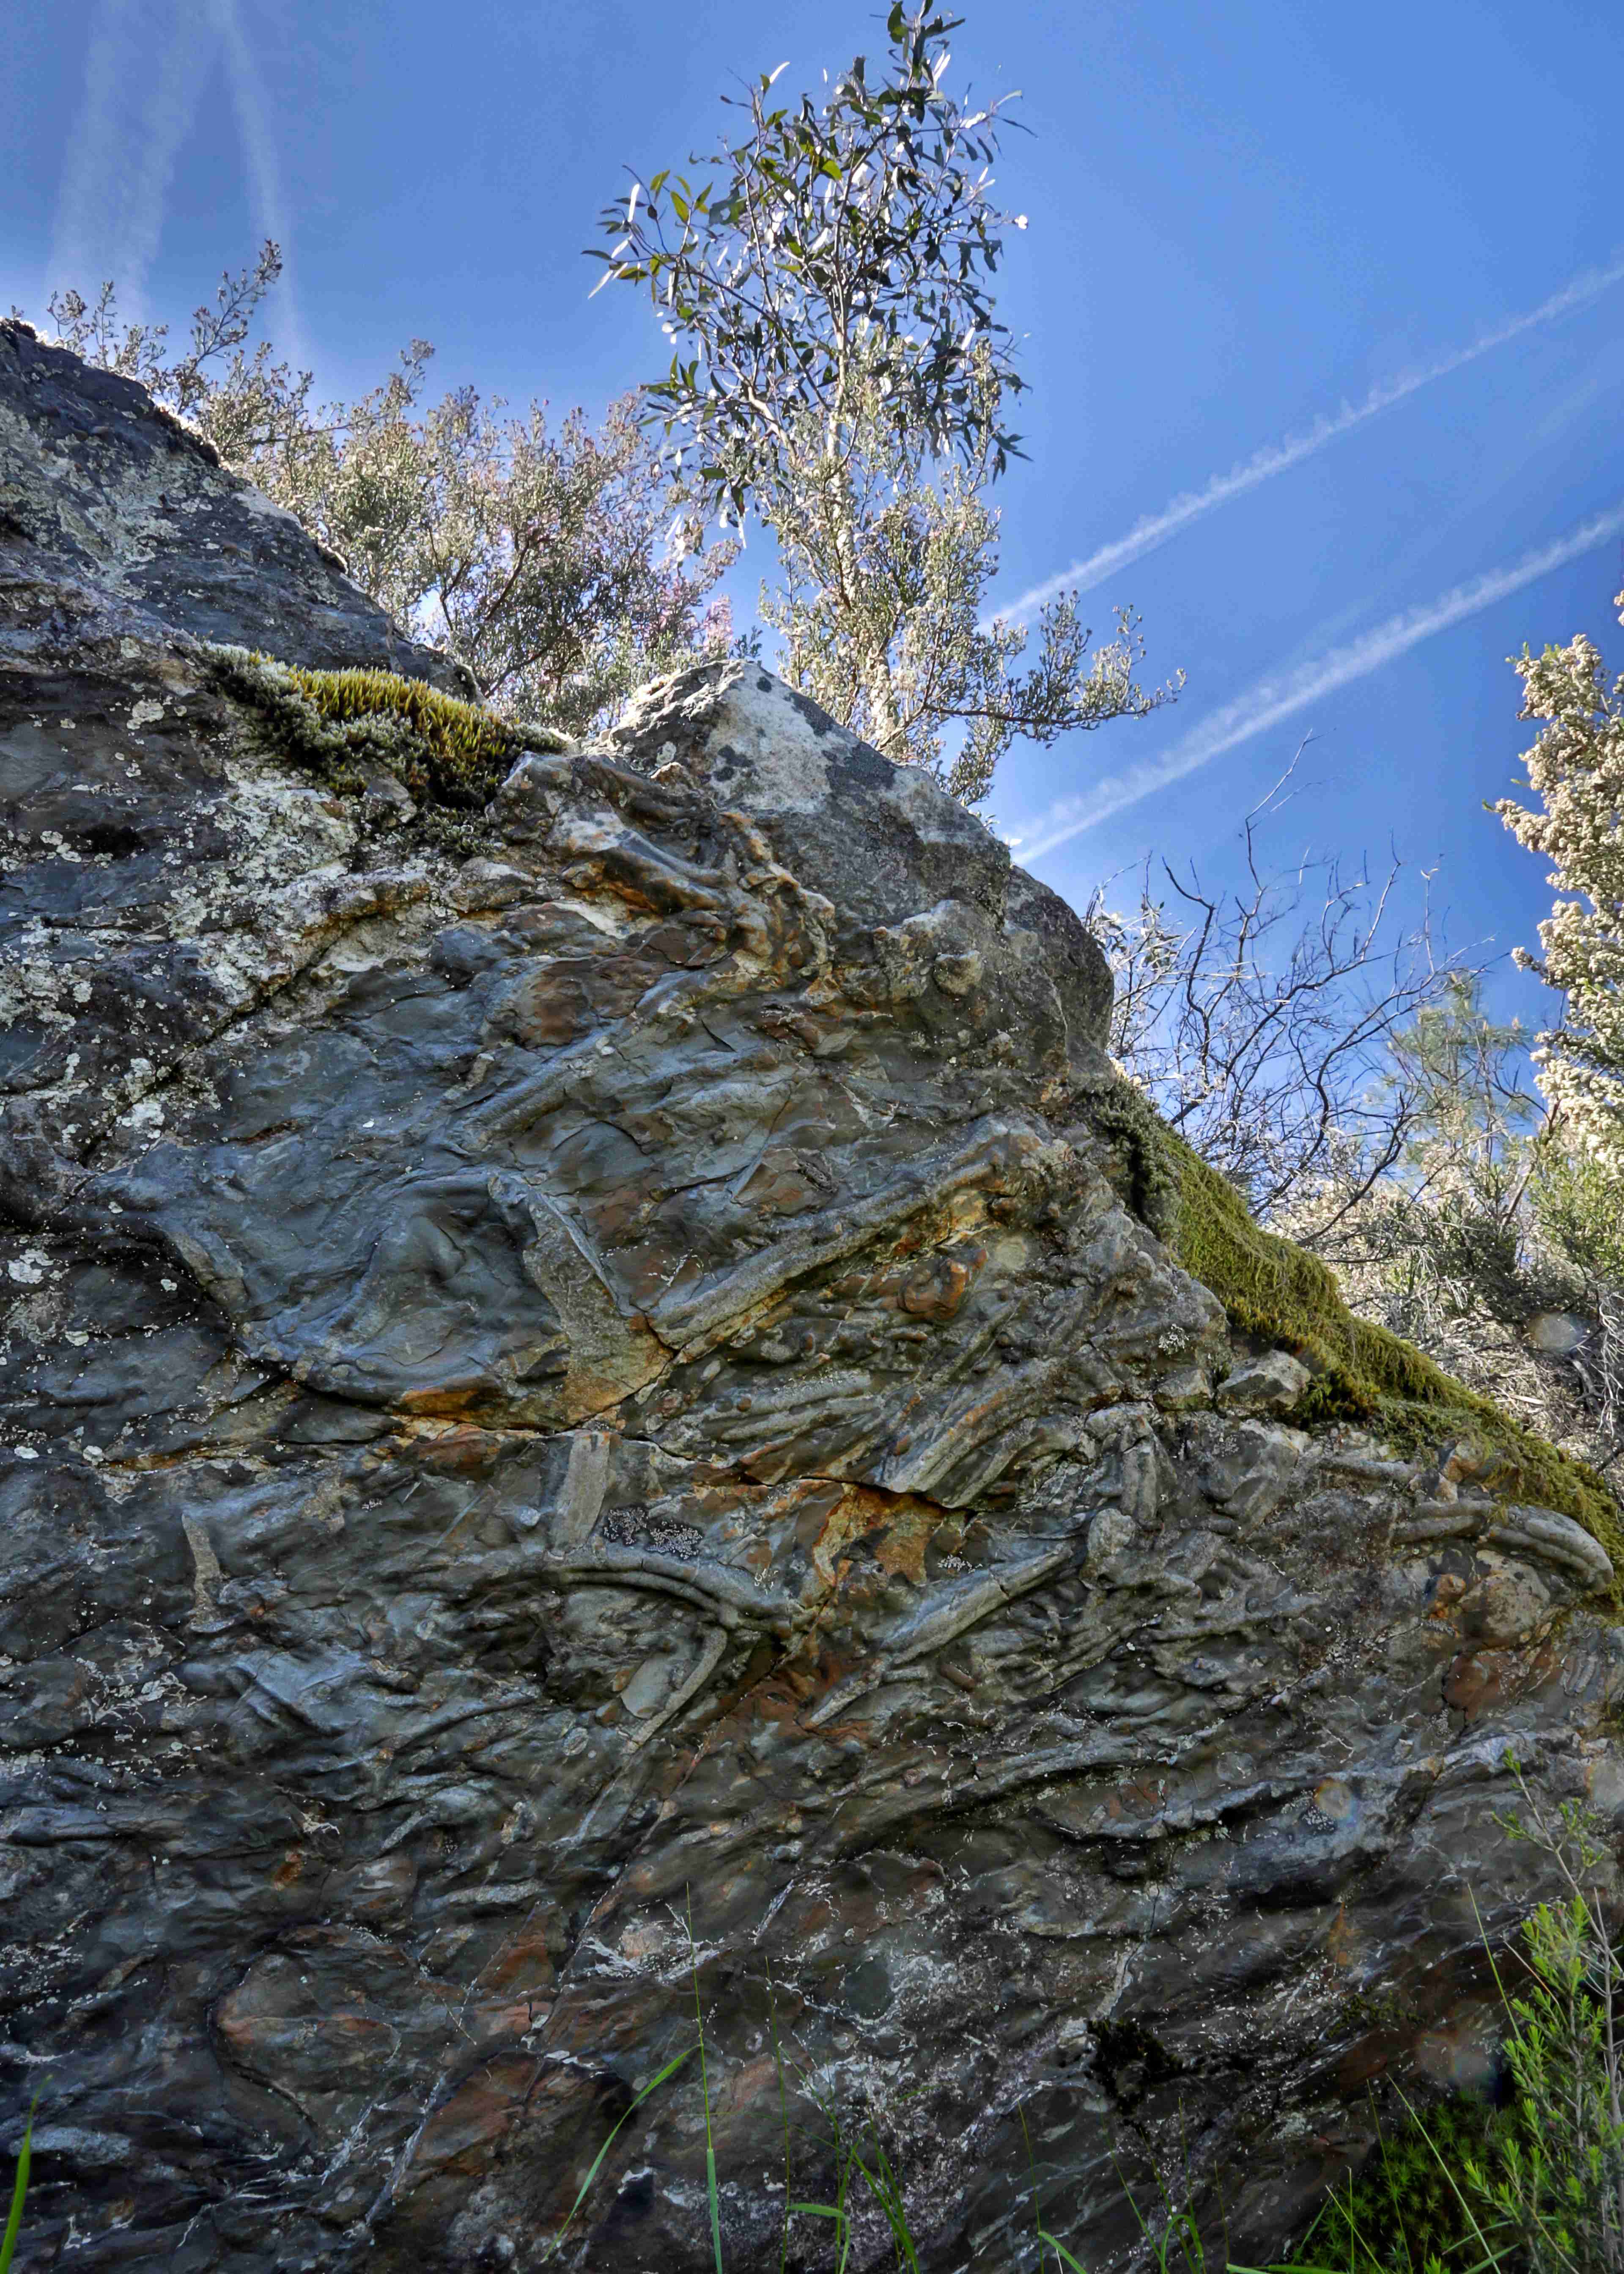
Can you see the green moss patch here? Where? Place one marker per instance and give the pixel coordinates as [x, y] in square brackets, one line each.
[1278, 1292]
[349, 727]
[1144, 1152]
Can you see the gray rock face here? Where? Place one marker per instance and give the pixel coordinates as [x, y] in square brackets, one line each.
[1270, 1383]
[880, 840]
[610, 1383]
[102, 490]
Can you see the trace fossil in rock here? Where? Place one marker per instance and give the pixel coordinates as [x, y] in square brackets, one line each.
[602, 1367]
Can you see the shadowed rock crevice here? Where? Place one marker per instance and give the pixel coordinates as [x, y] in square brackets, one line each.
[639, 1360]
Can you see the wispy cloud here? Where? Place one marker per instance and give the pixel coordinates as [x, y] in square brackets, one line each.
[144, 70]
[147, 66]
[258, 143]
[1272, 700]
[1279, 457]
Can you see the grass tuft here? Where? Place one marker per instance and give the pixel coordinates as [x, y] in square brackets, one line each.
[1414, 2202]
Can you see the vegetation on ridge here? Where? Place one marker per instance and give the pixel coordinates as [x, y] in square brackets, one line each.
[555, 561]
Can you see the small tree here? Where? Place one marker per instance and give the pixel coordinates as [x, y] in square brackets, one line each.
[877, 540]
[1455, 1213]
[1489, 1241]
[544, 560]
[1259, 1024]
[825, 281]
[560, 567]
[246, 406]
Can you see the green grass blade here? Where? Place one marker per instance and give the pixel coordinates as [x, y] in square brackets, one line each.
[1054, 2243]
[716, 2211]
[835, 2210]
[777, 2063]
[653, 2085]
[1132, 2206]
[705, 2091]
[882, 2185]
[1289, 2266]
[19, 2192]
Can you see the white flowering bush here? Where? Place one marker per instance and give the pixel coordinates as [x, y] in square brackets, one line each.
[1575, 769]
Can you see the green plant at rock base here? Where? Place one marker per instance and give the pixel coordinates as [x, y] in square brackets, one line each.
[1558, 2178]
[1413, 2206]
[1560, 2182]
[856, 2159]
[349, 727]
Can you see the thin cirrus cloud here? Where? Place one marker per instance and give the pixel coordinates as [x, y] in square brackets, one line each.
[147, 66]
[253, 126]
[1279, 457]
[144, 78]
[1274, 700]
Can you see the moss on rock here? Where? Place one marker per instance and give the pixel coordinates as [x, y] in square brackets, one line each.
[349, 727]
[1276, 1292]
[1141, 1146]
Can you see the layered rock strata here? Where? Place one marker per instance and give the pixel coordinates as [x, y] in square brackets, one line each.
[604, 1388]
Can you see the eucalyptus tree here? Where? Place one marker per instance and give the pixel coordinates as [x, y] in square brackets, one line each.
[825, 277]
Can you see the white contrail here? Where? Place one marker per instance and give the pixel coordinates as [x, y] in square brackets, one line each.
[1278, 457]
[145, 69]
[1273, 700]
[80, 197]
[263, 174]
[146, 64]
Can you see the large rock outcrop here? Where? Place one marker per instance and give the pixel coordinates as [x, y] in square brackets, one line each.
[601, 1377]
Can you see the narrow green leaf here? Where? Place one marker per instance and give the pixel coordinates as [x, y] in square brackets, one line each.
[1065, 2255]
[716, 2213]
[19, 2192]
[653, 2085]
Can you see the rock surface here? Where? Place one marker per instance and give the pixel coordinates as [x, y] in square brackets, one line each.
[610, 1383]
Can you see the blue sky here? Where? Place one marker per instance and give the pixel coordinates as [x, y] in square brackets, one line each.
[1249, 226]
